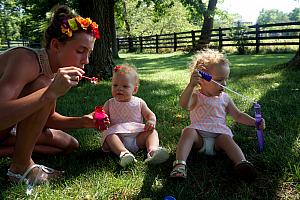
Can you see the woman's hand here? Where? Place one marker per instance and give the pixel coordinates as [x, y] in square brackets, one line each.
[88, 121]
[64, 79]
[92, 123]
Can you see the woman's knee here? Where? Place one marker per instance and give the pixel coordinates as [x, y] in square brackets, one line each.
[72, 146]
[58, 139]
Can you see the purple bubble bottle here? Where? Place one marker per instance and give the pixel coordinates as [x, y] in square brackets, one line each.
[100, 116]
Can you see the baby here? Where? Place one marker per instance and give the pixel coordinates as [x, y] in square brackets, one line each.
[208, 105]
[127, 133]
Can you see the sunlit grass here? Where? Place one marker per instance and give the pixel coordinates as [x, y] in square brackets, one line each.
[91, 174]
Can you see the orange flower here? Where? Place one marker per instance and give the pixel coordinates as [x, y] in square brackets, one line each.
[70, 25]
[67, 31]
[85, 23]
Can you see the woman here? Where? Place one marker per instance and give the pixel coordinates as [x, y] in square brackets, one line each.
[30, 83]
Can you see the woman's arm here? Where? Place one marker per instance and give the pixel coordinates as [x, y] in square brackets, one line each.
[21, 70]
[58, 121]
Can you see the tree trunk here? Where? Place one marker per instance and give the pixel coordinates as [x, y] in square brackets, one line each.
[101, 62]
[114, 47]
[207, 25]
[295, 62]
[127, 27]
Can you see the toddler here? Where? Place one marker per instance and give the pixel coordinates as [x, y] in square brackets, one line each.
[127, 133]
[208, 105]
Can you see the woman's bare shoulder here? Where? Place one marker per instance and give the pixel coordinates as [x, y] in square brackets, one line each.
[23, 62]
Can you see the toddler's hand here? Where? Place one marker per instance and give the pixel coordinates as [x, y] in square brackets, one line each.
[106, 123]
[195, 78]
[149, 126]
[262, 125]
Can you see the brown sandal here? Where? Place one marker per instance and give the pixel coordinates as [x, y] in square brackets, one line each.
[246, 170]
[179, 169]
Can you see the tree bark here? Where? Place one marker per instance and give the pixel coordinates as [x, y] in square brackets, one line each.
[207, 25]
[127, 27]
[114, 47]
[295, 62]
[101, 62]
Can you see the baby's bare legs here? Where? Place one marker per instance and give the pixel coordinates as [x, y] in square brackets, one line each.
[233, 151]
[148, 140]
[189, 138]
[115, 144]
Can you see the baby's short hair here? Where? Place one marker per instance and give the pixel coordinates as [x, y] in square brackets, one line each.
[127, 68]
[206, 58]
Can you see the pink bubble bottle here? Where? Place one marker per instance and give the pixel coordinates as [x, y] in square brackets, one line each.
[100, 116]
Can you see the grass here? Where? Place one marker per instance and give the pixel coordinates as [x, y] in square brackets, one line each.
[91, 174]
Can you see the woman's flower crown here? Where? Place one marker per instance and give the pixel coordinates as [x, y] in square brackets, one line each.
[73, 24]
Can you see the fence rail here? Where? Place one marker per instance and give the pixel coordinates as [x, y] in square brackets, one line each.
[240, 36]
[279, 34]
[17, 43]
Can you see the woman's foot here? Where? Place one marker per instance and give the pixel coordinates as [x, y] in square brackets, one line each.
[35, 174]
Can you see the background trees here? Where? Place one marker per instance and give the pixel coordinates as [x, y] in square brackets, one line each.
[28, 18]
[10, 22]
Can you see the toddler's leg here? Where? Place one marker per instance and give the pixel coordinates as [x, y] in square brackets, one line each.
[115, 144]
[233, 151]
[148, 140]
[188, 139]
[155, 153]
[243, 168]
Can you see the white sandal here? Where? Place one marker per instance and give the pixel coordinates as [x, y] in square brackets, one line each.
[126, 158]
[44, 175]
[159, 155]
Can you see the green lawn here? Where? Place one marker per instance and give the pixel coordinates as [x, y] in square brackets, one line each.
[91, 174]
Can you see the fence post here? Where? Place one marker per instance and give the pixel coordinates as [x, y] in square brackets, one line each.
[130, 43]
[175, 42]
[141, 44]
[257, 38]
[193, 38]
[156, 42]
[118, 44]
[8, 43]
[220, 39]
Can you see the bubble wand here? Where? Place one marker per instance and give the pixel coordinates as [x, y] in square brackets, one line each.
[92, 80]
[256, 106]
